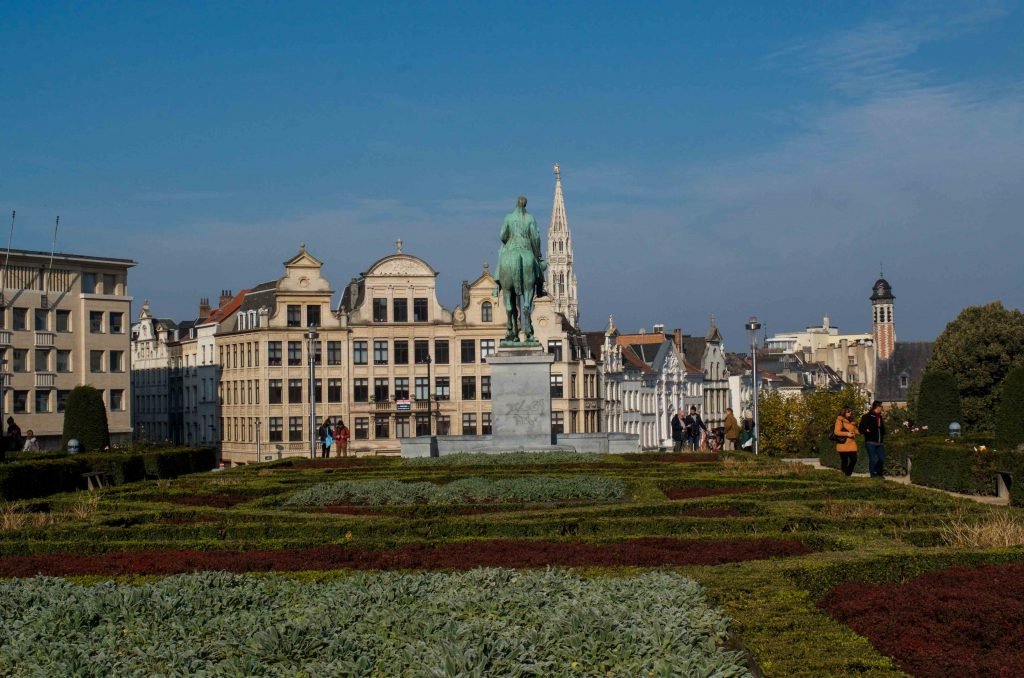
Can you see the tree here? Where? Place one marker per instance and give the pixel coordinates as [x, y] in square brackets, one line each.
[980, 347]
[1010, 423]
[85, 418]
[795, 425]
[938, 401]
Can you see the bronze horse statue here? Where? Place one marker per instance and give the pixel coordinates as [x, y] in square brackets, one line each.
[520, 273]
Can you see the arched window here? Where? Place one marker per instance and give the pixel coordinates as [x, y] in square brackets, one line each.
[487, 312]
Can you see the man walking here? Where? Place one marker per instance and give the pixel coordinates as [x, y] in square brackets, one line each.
[694, 426]
[872, 427]
[678, 427]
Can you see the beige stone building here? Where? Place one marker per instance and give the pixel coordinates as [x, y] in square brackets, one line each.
[64, 321]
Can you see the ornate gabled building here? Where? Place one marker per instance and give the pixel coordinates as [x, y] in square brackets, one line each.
[707, 354]
[561, 278]
[155, 352]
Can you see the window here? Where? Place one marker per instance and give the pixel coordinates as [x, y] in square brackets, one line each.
[421, 351]
[904, 381]
[62, 400]
[485, 388]
[109, 283]
[487, 312]
[88, 283]
[96, 322]
[423, 424]
[401, 352]
[116, 323]
[43, 401]
[486, 348]
[20, 402]
[295, 390]
[444, 425]
[318, 352]
[400, 311]
[557, 386]
[42, 360]
[313, 315]
[63, 321]
[469, 424]
[402, 427]
[380, 427]
[334, 390]
[469, 388]
[485, 423]
[380, 352]
[557, 422]
[95, 361]
[380, 310]
[359, 353]
[294, 315]
[42, 320]
[295, 428]
[333, 352]
[422, 388]
[381, 393]
[275, 429]
[360, 390]
[851, 360]
[274, 392]
[440, 351]
[19, 318]
[116, 400]
[442, 388]
[319, 391]
[361, 428]
[294, 353]
[419, 310]
[274, 353]
[468, 351]
[555, 349]
[117, 361]
[401, 388]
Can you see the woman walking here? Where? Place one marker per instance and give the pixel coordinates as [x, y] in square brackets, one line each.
[326, 439]
[845, 434]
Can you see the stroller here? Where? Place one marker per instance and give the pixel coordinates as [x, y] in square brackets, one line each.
[716, 439]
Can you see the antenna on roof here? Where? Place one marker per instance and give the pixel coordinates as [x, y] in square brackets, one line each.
[7, 259]
[49, 273]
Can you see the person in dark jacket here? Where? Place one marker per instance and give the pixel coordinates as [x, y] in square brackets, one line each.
[872, 427]
[678, 428]
[694, 426]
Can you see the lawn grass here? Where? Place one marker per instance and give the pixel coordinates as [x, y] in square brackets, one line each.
[848, 529]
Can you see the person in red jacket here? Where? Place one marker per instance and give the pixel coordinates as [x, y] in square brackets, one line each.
[341, 436]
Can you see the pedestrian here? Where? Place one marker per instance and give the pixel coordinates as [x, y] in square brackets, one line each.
[341, 436]
[323, 432]
[695, 426]
[31, 443]
[678, 427]
[14, 439]
[872, 427]
[844, 434]
[732, 430]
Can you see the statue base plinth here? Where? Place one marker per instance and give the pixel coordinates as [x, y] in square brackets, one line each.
[529, 343]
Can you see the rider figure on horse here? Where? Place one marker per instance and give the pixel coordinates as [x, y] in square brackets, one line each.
[521, 270]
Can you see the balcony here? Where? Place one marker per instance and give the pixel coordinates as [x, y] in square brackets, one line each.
[5, 337]
[45, 339]
[45, 379]
[383, 405]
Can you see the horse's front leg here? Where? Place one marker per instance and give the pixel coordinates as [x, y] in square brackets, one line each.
[511, 326]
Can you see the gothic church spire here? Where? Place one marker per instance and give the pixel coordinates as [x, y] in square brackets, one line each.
[561, 282]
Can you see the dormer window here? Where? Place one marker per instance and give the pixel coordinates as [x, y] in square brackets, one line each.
[487, 312]
[241, 321]
[904, 381]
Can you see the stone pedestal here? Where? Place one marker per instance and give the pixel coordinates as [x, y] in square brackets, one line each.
[521, 397]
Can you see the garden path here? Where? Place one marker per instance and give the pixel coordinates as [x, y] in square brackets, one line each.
[905, 480]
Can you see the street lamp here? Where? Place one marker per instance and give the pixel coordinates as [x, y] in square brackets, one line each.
[312, 335]
[430, 406]
[259, 448]
[752, 327]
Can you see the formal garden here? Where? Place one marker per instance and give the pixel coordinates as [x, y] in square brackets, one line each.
[557, 564]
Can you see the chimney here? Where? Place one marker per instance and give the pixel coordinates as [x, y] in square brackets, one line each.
[204, 308]
[225, 297]
[677, 338]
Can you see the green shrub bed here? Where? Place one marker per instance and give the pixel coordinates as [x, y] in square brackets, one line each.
[507, 459]
[486, 622]
[956, 468]
[533, 489]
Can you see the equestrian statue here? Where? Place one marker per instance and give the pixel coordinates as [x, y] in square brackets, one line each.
[521, 272]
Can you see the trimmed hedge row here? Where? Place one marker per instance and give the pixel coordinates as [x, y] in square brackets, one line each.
[895, 457]
[39, 478]
[955, 468]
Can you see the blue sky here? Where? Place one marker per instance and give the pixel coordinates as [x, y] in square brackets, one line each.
[717, 158]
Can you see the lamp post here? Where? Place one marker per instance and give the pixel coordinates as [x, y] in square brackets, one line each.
[430, 403]
[752, 327]
[259, 447]
[312, 335]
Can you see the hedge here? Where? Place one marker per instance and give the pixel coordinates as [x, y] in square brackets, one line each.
[895, 457]
[39, 478]
[956, 468]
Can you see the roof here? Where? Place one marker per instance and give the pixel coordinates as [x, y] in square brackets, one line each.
[596, 342]
[909, 359]
[64, 256]
[633, 360]
[881, 290]
[693, 348]
[220, 314]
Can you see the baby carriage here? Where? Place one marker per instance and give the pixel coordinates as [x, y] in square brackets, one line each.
[716, 439]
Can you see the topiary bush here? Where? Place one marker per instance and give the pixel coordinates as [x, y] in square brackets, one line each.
[85, 418]
[957, 468]
[938, 403]
[1010, 421]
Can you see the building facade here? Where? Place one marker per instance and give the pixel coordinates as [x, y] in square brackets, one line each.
[64, 322]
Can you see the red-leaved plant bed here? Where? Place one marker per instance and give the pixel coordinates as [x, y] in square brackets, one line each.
[219, 500]
[963, 622]
[646, 552]
[697, 492]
